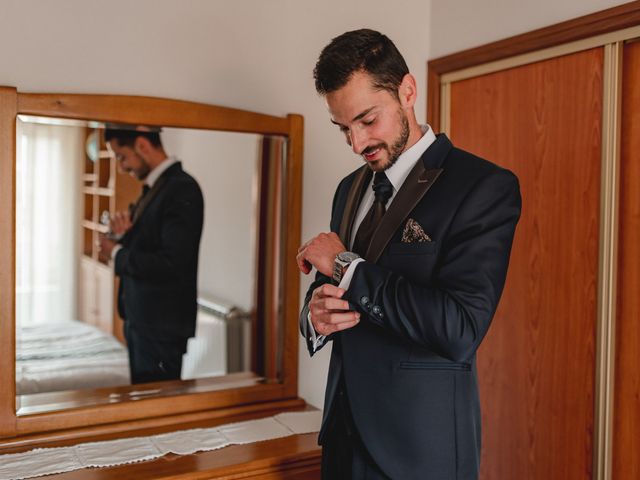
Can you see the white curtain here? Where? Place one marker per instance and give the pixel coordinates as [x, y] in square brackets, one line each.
[48, 211]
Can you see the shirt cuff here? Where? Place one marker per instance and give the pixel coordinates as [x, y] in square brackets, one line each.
[115, 251]
[348, 275]
[315, 338]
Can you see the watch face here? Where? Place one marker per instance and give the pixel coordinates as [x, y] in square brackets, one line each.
[348, 256]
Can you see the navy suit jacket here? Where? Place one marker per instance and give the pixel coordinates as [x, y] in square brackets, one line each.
[158, 262]
[409, 366]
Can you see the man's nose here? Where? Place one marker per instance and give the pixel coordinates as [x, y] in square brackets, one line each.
[359, 140]
[123, 166]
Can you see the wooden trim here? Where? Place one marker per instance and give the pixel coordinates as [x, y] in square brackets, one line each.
[268, 287]
[292, 225]
[607, 268]
[433, 99]
[131, 427]
[626, 440]
[445, 109]
[606, 21]
[274, 332]
[590, 43]
[262, 237]
[150, 111]
[174, 405]
[8, 110]
[148, 408]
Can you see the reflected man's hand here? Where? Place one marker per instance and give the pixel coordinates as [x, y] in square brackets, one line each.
[120, 223]
[105, 247]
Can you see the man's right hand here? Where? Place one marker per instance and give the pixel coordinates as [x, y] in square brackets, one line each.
[120, 223]
[329, 313]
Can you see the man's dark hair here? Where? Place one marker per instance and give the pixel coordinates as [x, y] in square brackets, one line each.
[360, 51]
[126, 136]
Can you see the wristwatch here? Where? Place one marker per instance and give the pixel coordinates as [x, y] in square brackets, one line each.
[341, 263]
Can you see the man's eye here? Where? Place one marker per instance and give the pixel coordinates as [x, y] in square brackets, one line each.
[344, 130]
[369, 122]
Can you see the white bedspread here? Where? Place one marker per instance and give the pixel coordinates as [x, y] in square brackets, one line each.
[68, 356]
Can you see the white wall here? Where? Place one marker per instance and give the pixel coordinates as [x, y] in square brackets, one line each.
[461, 24]
[251, 54]
[224, 164]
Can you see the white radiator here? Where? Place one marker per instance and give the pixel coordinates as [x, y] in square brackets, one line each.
[206, 352]
[222, 343]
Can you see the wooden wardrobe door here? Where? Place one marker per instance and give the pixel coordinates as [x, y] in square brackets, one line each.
[626, 436]
[537, 366]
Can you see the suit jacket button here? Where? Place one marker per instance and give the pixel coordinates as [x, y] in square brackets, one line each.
[377, 311]
[364, 301]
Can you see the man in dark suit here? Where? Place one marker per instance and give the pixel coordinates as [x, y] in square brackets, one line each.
[156, 255]
[408, 278]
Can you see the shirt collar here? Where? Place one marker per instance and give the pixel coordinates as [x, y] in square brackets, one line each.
[159, 170]
[399, 171]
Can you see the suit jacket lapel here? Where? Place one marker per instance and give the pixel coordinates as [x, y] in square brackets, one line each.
[423, 175]
[413, 189]
[358, 187]
[157, 186]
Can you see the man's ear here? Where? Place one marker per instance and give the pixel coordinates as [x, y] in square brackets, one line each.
[142, 145]
[407, 91]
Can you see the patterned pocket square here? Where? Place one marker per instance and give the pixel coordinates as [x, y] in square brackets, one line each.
[413, 233]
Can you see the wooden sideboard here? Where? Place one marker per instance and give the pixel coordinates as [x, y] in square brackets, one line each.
[293, 457]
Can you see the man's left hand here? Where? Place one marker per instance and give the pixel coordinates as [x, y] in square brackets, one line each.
[320, 252]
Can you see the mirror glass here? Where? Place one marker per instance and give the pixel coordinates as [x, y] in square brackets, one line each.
[69, 336]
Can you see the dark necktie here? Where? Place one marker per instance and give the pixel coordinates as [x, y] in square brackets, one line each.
[134, 208]
[382, 189]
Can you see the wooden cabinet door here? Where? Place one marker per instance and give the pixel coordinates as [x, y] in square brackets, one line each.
[536, 366]
[626, 422]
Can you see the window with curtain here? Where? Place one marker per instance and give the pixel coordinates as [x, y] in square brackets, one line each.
[48, 212]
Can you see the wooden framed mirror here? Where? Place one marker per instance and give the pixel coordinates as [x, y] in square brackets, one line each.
[268, 380]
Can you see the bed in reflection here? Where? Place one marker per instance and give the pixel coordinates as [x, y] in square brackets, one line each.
[68, 356]
[73, 355]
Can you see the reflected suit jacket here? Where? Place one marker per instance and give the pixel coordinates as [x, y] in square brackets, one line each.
[158, 262]
[409, 366]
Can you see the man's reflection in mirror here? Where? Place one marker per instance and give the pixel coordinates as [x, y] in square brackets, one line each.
[154, 250]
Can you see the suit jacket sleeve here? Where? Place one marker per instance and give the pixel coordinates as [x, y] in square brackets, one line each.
[451, 315]
[181, 225]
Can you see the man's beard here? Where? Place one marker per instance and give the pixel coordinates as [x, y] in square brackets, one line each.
[398, 145]
[142, 172]
[401, 142]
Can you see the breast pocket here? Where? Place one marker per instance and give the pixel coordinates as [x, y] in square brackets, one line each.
[415, 261]
[415, 248]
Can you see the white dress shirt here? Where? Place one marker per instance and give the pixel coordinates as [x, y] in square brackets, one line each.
[159, 170]
[397, 174]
